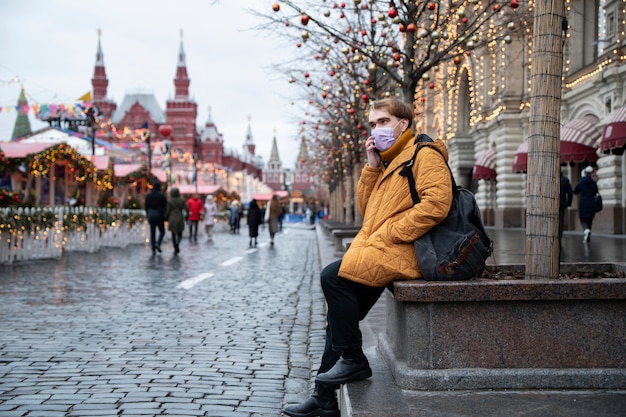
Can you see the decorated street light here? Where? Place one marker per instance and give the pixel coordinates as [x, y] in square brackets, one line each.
[166, 131]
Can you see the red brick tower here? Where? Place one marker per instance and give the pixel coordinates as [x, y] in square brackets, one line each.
[100, 83]
[181, 112]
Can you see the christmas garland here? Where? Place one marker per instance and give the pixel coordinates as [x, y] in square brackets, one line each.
[13, 221]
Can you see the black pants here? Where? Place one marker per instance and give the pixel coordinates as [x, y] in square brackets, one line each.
[153, 241]
[193, 229]
[348, 303]
[586, 222]
[176, 238]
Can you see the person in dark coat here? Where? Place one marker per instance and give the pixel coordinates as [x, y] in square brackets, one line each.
[564, 202]
[155, 206]
[177, 210]
[588, 189]
[254, 220]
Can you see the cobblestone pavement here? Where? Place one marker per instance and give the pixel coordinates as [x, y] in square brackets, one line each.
[222, 330]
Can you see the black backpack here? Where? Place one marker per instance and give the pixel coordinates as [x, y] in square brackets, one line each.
[458, 247]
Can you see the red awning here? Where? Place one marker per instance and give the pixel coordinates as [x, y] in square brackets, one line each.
[578, 140]
[485, 166]
[187, 189]
[520, 160]
[101, 162]
[122, 170]
[614, 134]
[22, 150]
[577, 144]
[261, 197]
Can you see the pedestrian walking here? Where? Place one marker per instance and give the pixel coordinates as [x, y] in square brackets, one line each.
[155, 206]
[565, 200]
[176, 212]
[272, 215]
[196, 208]
[382, 250]
[588, 190]
[254, 220]
[233, 216]
[210, 210]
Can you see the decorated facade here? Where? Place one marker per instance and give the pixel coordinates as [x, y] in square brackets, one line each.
[480, 105]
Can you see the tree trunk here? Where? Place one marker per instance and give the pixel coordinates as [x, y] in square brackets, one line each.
[542, 188]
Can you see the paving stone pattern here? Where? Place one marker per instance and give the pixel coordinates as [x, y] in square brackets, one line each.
[110, 334]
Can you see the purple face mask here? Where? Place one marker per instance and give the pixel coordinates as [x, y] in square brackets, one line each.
[383, 137]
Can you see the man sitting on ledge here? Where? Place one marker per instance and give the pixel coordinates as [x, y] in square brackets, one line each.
[383, 249]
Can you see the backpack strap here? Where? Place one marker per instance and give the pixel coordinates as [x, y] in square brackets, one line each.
[407, 170]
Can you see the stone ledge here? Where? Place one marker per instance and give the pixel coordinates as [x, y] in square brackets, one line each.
[507, 334]
[509, 290]
[489, 379]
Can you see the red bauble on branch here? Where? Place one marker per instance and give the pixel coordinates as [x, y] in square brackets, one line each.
[165, 130]
[276, 7]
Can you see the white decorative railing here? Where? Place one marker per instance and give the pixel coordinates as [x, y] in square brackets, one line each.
[40, 233]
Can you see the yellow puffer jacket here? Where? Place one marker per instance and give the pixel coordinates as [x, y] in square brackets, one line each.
[383, 249]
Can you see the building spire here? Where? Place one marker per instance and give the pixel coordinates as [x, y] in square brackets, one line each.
[274, 155]
[181, 82]
[303, 155]
[99, 82]
[249, 144]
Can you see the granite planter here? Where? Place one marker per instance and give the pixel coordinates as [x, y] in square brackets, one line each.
[509, 333]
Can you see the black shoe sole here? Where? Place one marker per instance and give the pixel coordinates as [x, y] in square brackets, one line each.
[317, 413]
[362, 374]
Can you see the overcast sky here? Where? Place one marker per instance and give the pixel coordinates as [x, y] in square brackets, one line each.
[51, 46]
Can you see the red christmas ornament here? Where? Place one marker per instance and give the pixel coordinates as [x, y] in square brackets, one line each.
[392, 13]
[402, 28]
[324, 94]
[306, 75]
[496, 7]
[363, 32]
[431, 86]
[165, 130]
[305, 20]
[411, 27]
[298, 44]
[514, 4]
[276, 7]
[397, 56]
[432, 6]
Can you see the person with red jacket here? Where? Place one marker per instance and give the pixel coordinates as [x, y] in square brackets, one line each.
[196, 208]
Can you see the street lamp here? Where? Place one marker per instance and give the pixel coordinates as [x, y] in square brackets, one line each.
[166, 131]
[195, 170]
[91, 121]
[146, 134]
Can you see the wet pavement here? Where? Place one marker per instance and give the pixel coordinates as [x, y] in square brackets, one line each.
[222, 330]
[217, 331]
[510, 247]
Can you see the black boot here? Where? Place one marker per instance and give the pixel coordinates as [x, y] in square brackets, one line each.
[352, 366]
[322, 403]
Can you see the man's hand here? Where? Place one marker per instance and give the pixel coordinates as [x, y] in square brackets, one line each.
[373, 159]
